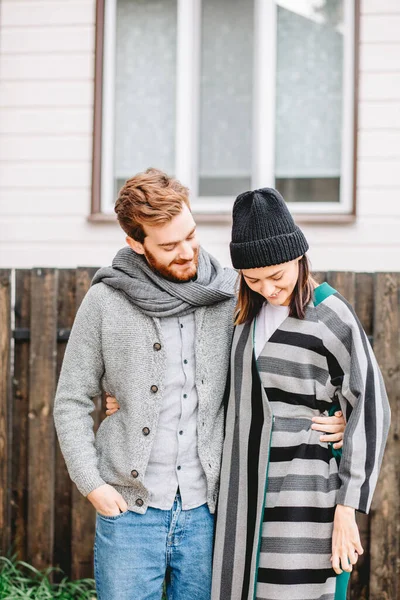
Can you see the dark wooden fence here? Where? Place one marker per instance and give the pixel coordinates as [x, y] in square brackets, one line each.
[42, 516]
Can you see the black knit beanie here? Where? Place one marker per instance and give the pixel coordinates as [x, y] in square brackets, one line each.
[263, 231]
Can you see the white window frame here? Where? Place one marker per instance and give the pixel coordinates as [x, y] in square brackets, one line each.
[187, 108]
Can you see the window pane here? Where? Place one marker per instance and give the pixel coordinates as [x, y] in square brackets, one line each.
[309, 99]
[226, 97]
[145, 86]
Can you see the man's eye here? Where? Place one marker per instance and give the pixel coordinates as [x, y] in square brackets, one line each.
[169, 248]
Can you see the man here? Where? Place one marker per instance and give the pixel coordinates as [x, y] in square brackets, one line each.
[155, 332]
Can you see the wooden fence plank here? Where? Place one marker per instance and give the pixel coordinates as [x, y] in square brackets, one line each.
[83, 514]
[63, 484]
[5, 395]
[385, 516]
[364, 298]
[319, 276]
[344, 283]
[43, 353]
[365, 286]
[20, 415]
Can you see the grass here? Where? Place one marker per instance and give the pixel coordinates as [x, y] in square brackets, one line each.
[18, 580]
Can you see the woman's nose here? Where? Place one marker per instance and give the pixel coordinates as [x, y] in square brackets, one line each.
[268, 289]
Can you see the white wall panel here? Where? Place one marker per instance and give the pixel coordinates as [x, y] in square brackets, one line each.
[380, 28]
[379, 115]
[44, 93]
[61, 255]
[379, 144]
[71, 229]
[379, 86]
[46, 121]
[62, 67]
[56, 12]
[366, 258]
[374, 173]
[30, 175]
[16, 202]
[383, 7]
[45, 148]
[378, 202]
[380, 58]
[22, 40]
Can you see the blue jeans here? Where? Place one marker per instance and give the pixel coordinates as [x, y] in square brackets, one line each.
[134, 553]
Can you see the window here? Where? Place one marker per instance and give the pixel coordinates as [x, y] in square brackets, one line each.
[229, 95]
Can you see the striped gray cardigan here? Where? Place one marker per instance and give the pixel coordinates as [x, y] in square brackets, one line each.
[305, 367]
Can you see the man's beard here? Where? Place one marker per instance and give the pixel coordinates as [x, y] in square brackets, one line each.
[168, 272]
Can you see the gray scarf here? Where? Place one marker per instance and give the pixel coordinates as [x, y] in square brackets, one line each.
[158, 297]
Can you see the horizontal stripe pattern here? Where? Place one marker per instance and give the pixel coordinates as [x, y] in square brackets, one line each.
[282, 592]
[302, 451]
[305, 483]
[282, 367]
[296, 545]
[294, 576]
[300, 514]
[291, 425]
[295, 529]
[298, 340]
[297, 399]
[302, 498]
[313, 468]
[299, 560]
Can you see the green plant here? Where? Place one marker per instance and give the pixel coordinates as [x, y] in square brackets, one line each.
[18, 580]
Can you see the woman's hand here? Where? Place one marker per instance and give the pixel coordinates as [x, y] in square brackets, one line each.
[111, 405]
[334, 426]
[346, 544]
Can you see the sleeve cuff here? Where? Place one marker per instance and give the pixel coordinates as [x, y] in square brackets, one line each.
[351, 499]
[87, 482]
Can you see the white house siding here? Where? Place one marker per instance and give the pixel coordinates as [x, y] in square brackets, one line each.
[46, 121]
[46, 112]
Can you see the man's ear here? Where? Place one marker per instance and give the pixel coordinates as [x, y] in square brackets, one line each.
[135, 245]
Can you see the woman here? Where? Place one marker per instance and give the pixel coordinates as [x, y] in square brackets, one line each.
[286, 517]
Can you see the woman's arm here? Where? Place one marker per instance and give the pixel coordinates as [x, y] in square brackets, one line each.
[357, 382]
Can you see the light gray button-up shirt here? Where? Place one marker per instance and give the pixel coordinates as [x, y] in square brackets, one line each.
[174, 460]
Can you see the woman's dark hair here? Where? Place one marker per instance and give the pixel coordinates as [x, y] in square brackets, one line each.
[249, 302]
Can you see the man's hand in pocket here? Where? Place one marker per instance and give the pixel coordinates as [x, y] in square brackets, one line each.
[107, 501]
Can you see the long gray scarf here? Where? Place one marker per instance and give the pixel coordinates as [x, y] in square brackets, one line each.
[158, 297]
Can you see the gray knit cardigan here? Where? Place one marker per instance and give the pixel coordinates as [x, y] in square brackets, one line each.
[115, 347]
